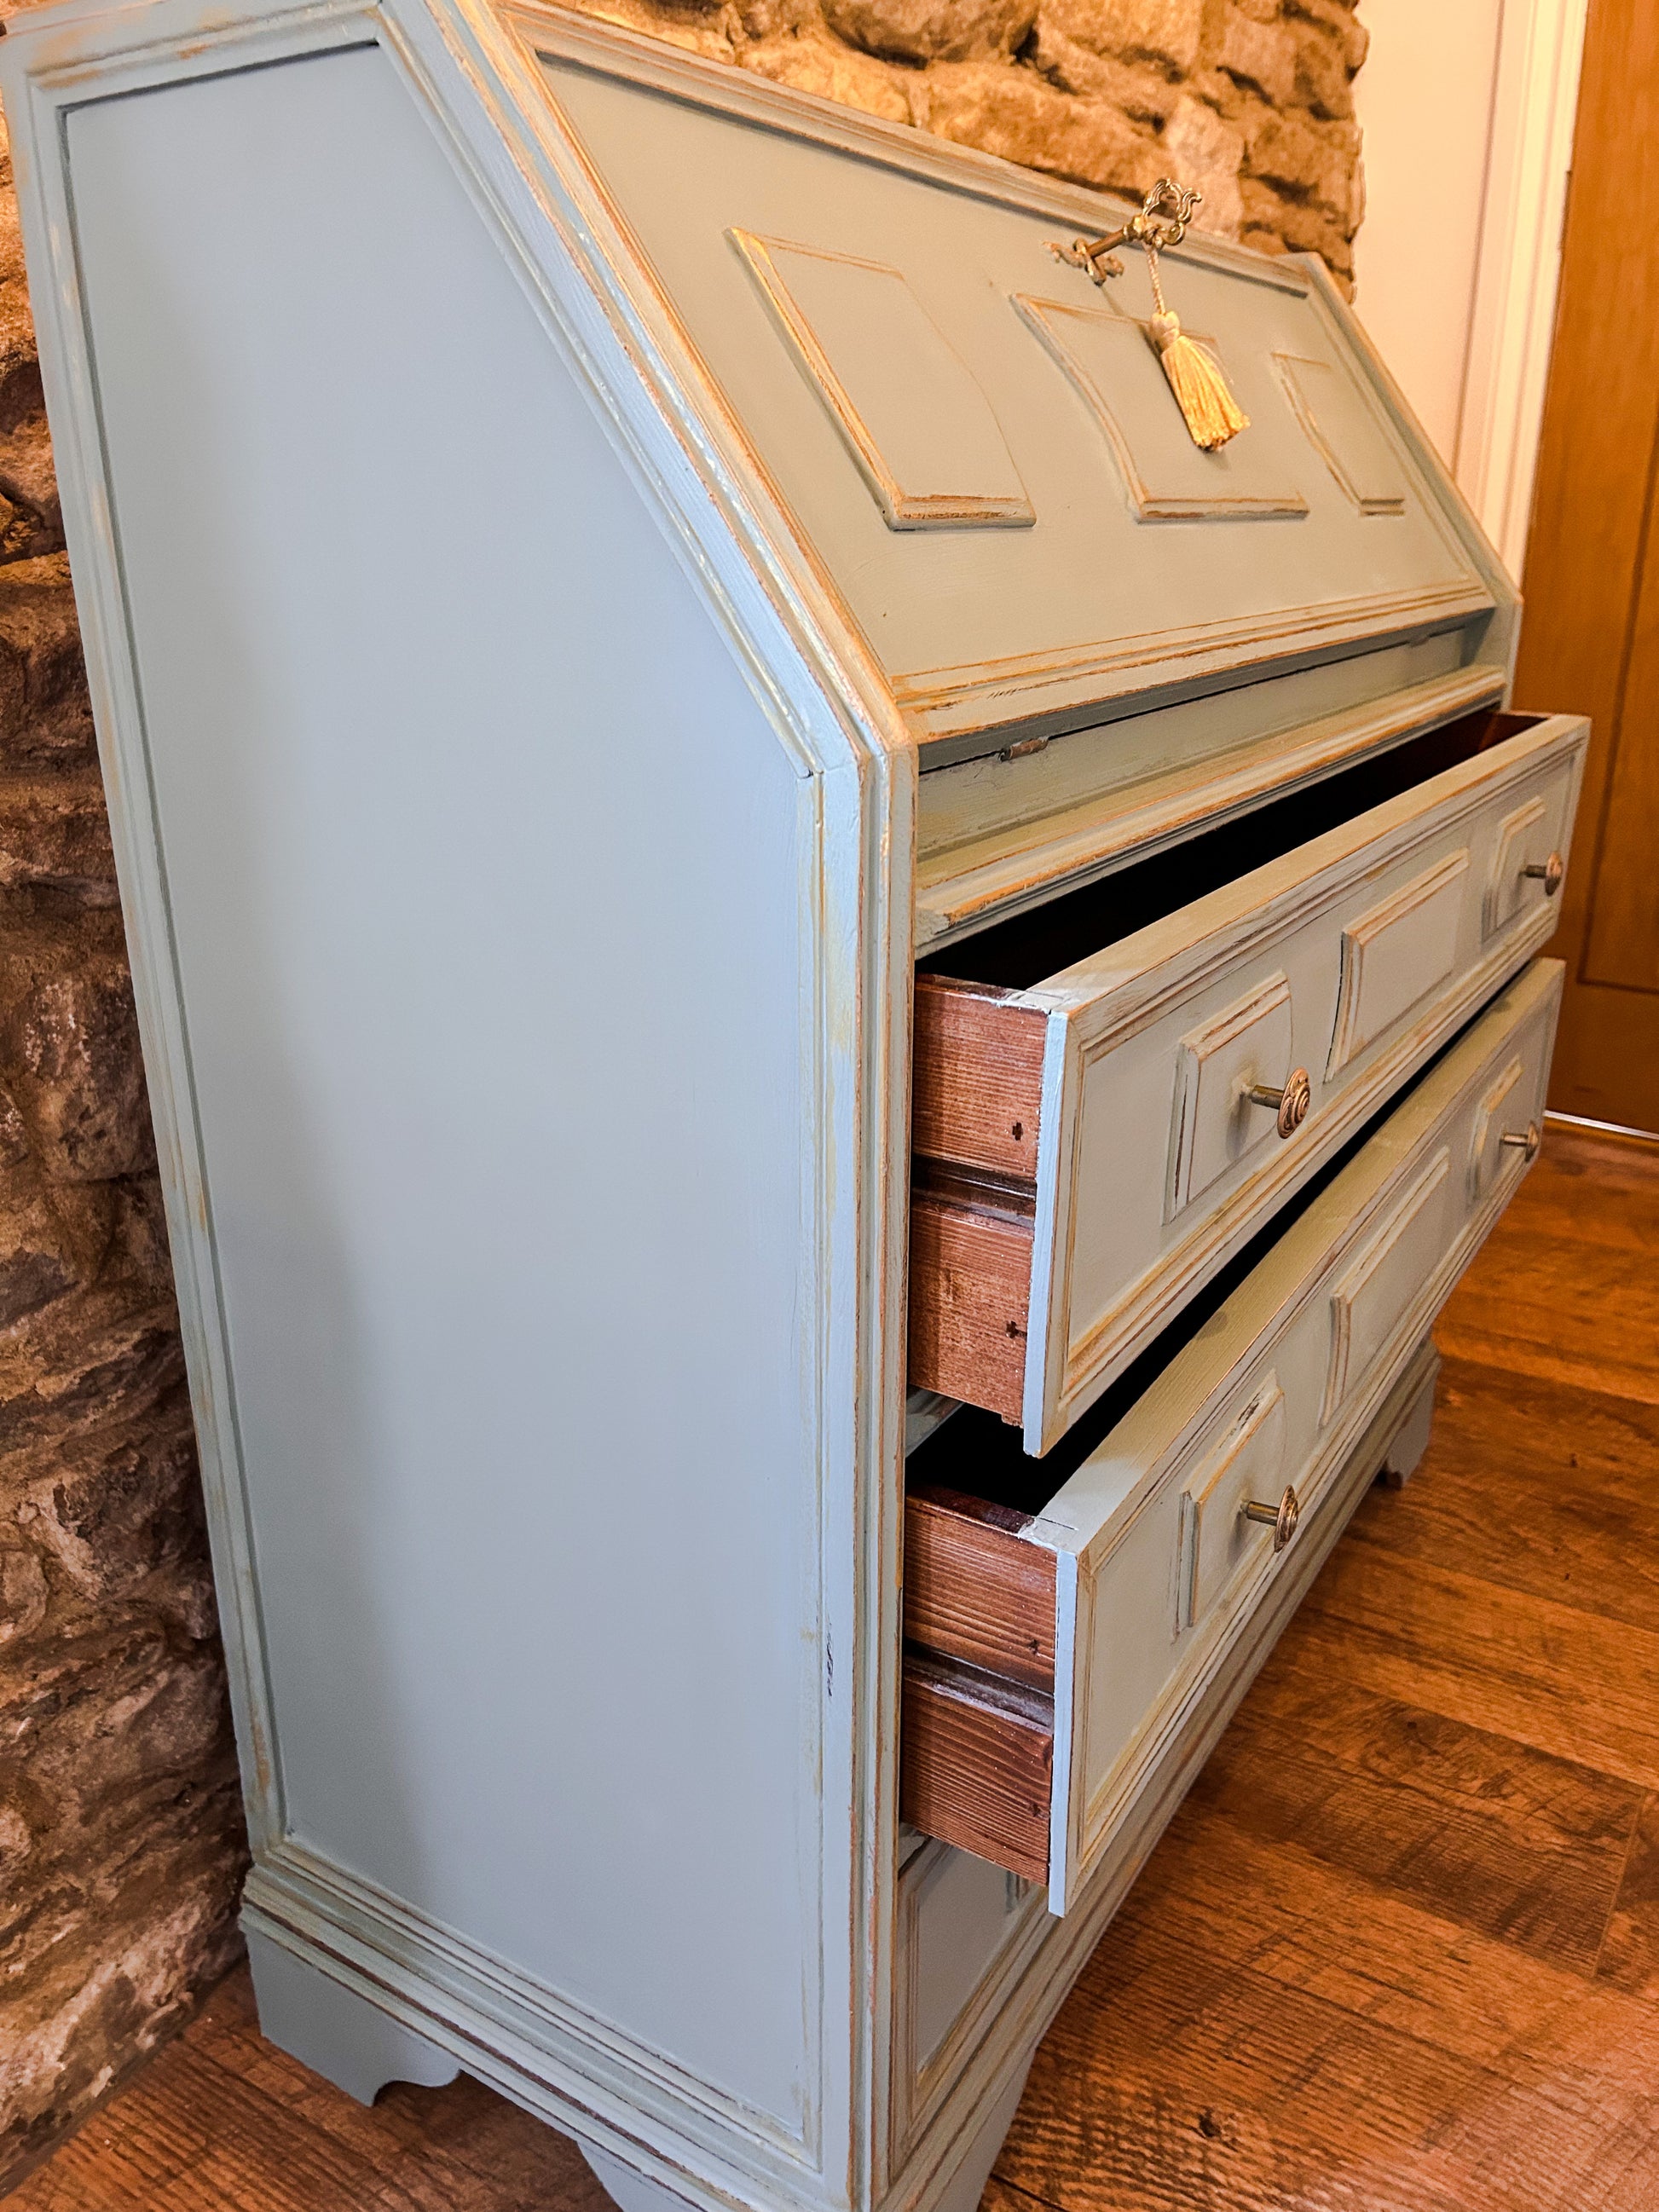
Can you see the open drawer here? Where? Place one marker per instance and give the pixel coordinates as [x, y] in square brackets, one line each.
[1063, 1619]
[1113, 1090]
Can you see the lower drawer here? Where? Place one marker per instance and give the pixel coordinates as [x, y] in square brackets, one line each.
[955, 1954]
[1062, 1615]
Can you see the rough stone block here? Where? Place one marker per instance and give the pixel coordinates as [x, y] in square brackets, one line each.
[46, 1251]
[20, 362]
[120, 1508]
[1168, 32]
[104, 1721]
[1224, 94]
[23, 1601]
[28, 483]
[127, 1976]
[1298, 226]
[138, 1255]
[699, 29]
[54, 835]
[1324, 83]
[1262, 56]
[70, 1058]
[77, 1365]
[1144, 94]
[119, 1801]
[1205, 153]
[1338, 19]
[1314, 162]
[775, 19]
[835, 71]
[1014, 113]
[44, 712]
[932, 30]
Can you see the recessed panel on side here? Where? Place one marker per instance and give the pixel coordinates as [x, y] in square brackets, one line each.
[506, 1201]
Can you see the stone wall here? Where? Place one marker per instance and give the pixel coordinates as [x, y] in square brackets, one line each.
[120, 1819]
[1251, 100]
[120, 1837]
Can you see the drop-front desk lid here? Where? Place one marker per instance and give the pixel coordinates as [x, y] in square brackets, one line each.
[976, 445]
[894, 429]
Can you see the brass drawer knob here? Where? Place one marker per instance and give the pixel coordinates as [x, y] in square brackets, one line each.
[1551, 873]
[1291, 1104]
[1525, 1140]
[1281, 1518]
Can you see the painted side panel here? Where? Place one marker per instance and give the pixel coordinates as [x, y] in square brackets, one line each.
[489, 887]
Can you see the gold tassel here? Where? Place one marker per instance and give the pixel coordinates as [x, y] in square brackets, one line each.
[1211, 413]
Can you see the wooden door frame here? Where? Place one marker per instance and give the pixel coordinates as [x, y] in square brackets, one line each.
[1590, 638]
[1518, 267]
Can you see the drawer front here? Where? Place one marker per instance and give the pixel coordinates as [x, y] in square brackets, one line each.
[1316, 1335]
[955, 1954]
[1157, 1568]
[1248, 1462]
[1396, 953]
[1244, 1043]
[1155, 1146]
[1381, 1280]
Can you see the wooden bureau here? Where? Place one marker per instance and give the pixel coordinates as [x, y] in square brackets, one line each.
[825, 1014]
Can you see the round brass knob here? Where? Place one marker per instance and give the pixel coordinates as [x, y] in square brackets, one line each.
[1290, 1105]
[1551, 873]
[1281, 1518]
[1525, 1140]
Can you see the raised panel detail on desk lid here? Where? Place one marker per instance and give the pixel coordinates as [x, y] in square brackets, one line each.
[1345, 433]
[1110, 359]
[913, 418]
[976, 630]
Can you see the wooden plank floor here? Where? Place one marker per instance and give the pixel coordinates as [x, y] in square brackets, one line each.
[1399, 1951]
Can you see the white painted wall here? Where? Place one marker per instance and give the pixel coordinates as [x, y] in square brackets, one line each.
[1467, 108]
[1425, 102]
